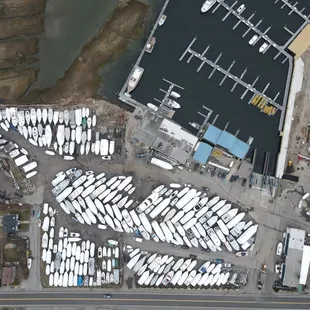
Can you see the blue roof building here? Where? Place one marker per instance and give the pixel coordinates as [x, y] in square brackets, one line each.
[203, 152]
[227, 141]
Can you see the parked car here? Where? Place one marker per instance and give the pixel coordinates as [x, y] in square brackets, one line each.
[205, 189]
[141, 155]
[137, 239]
[242, 253]
[106, 157]
[219, 261]
[185, 247]
[107, 296]
[196, 167]
[228, 265]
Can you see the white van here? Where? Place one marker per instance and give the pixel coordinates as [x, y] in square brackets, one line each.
[137, 239]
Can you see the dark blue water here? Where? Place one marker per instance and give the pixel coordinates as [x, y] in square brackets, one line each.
[184, 22]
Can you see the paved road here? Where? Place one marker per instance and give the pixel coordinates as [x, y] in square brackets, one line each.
[67, 298]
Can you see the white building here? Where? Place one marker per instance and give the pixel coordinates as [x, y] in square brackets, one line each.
[297, 258]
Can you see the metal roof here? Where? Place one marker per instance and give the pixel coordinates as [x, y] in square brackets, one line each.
[212, 134]
[294, 253]
[226, 140]
[305, 265]
[203, 152]
[239, 149]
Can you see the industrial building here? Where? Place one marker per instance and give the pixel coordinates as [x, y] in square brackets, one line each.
[297, 258]
[219, 148]
[168, 139]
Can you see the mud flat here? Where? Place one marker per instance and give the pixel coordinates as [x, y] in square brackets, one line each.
[81, 79]
[21, 21]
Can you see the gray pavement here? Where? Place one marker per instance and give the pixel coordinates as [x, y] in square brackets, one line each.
[273, 216]
[140, 300]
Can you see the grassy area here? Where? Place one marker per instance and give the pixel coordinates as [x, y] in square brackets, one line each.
[12, 255]
[24, 227]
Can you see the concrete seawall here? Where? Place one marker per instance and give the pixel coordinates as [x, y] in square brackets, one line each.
[296, 85]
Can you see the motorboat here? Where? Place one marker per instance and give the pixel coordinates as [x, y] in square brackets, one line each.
[175, 94]
[171, 103]
[263, 47]
[207, 5]
[152, 106]
[134, 79]
[241, 8]
[253, 40]
[150, 45]
[194, 125]
[162, 20]
[279, 248]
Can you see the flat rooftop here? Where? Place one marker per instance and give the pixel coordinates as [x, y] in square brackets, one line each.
[165, 136]
[230, 112]
[294, 254]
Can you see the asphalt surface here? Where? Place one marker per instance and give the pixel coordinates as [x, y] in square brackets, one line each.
[67, 298]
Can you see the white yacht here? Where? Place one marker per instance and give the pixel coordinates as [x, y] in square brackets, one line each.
[134, 79]
[263, 47]
[207, 5]
[172, 104]
[152, 106]
[241, 8]
[253, 40]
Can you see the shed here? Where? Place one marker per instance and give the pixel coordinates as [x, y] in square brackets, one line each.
[203, 152]
[10, 223]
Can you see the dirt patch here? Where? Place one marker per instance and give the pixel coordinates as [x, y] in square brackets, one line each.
[81, 80]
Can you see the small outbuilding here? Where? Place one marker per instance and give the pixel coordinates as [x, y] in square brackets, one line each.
[10, 223]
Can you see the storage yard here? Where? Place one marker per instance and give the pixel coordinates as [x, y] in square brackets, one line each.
[164, 271]
[84, 202]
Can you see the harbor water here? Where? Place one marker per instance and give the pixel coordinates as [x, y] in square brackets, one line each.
[238, 115]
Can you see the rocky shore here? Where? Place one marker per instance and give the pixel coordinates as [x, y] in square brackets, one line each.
[21, 23]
